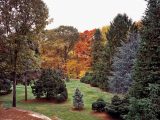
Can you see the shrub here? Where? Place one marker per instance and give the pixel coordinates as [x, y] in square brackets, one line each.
[87, 78]
[67, 79]
[118, 107]
[94, 81]
[61, 97]
[78, 100]
[5, 86]
[99, 105]
[50, 85]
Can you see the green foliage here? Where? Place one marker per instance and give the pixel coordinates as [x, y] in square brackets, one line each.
[118, 31]
[141, 109]
[118, 107]
[99, 60]
[68, 35]
[146, 87]
[50, 85]
[78, 100]
[99, 105]
[87, 78]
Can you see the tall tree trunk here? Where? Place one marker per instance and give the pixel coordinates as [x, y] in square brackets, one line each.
[14, 78]
[14, 90]
[25, 86]
[77, 71]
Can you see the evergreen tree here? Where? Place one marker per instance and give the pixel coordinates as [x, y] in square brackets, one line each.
[78, 100]
[145, 92]
[118, 31]
[97, 49]
[99, 61]
[123, 63]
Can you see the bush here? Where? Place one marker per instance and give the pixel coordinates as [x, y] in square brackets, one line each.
[94, 81]
[67, 79]
[50, 85]
[61, 97]
[118, 107]
[78, 100]
[87, 78]
[5, 86]
[99, 105]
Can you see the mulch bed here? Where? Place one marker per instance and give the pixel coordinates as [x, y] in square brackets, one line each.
[102, 116]
[16, 114]
[42, 100]
[77, 110]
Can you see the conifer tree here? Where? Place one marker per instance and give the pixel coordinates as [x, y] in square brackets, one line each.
[97, 49]
[78, 100]
[118, 31]
[145, 92]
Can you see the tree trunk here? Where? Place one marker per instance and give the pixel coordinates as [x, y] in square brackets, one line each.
[14, 78]
[25, 86]
[77, 71]
[14, 89]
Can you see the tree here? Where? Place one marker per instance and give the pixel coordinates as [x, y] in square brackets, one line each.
[123, 61]
[20, 21]
[82, 51]
[50, 50]
[69, 36]
[99, 60]
[97, 49]
[57, 46]
[118, 32]
[78, 100]
[145, 91]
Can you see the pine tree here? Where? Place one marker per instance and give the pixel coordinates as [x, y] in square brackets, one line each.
[78, 100]
[146, 87]
[123, 64]
[97, 49]
[118, 31]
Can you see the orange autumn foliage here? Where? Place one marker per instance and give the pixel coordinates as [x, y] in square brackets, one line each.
[83, 50]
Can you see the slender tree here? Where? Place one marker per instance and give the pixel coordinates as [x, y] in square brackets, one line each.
[78, 100]
[97, 49]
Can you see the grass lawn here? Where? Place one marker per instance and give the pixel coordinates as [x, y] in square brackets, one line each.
[64, 110]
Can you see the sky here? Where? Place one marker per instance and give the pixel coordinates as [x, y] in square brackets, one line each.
[90, 14]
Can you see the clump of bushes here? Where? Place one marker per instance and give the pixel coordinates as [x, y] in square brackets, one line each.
[87, 78]
[118, 107]
[78, 100]
[99, 105]
[50, 85]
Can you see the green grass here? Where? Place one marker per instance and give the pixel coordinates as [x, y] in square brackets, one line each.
[63, 111]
